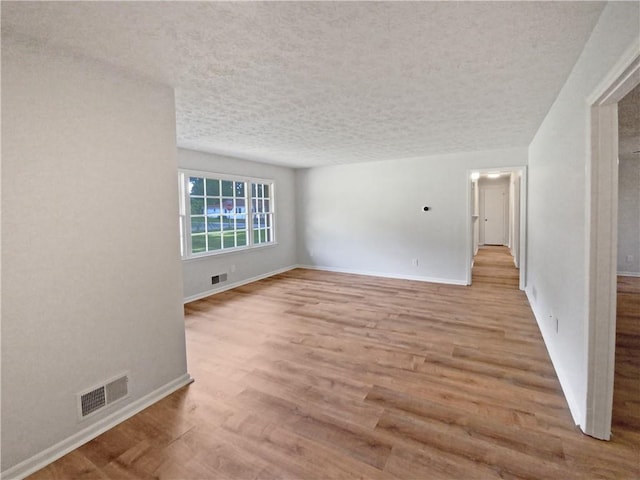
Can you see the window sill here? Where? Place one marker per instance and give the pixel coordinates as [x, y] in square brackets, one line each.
[238, 250]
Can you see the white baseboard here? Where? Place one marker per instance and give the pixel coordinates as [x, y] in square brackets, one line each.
[51, 454]
[447, 281]
[574, 406]
[208, 293]
[629, 274]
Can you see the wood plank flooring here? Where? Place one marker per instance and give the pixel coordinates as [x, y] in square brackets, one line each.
[317, 375]
[626, 388]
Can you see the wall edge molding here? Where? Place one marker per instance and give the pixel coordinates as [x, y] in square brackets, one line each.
[208, 293]
[574, 407]
[629, 274]
[53, 453]
[417, 278]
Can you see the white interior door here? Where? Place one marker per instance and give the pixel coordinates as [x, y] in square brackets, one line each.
[494, 203]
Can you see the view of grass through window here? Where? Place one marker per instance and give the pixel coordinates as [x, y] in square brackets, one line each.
[218, 216]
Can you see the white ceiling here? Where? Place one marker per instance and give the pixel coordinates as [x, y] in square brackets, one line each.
[316, 83]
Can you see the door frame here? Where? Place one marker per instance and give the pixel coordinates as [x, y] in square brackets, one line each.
[602, 239]
[522, 251]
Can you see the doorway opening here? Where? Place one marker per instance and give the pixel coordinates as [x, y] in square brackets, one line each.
[602, 240]
[626, 394]
[497, 208]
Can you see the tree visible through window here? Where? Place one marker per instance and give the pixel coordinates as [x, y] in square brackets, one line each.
[215, 216]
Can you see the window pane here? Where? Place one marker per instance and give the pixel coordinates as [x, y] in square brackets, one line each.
[228, 205]
[229, 240]
[259, 190]
[241, 207]
[213, 223]
[197, 243]
[197, 224]
[266, 191]
[266, 206]
[213, 206]
[227, 188]
[227, 223]
[268, 237]
[253, 189]
[196, 186]
[241, 238]
[214, 241]
[256, 236]
[197, 206]
[239, 189]
[213, 187]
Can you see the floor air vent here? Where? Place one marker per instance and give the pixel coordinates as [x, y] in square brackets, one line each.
[97, 398]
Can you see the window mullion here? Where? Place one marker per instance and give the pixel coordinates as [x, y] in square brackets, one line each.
[187, 216]
[249, 193]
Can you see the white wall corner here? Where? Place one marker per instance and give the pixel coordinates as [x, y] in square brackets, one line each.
[577, 411]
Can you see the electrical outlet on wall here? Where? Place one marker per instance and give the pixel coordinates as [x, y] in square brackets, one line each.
[414, 262]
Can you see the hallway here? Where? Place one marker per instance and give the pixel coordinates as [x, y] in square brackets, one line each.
[493, 266]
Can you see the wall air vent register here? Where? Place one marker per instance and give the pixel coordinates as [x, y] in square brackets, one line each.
[97, 398]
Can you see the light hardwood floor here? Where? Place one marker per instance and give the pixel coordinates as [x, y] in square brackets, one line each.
[316, 375]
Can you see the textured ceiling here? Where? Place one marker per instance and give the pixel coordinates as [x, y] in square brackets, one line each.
[316, 83]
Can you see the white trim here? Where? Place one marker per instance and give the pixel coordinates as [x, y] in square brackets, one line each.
[524, 222]
[601, 239]
[629, 274]
[208, 293]
[619, 80]
[240, 283]
[573, 404]
[227, 251]
[417, 278]
[224, 176]
[51, 454]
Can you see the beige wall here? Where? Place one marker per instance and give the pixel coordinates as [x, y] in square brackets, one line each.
[91, 274]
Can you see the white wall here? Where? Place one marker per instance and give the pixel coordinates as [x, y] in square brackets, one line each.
[249, 264]
[629, 215]
[556, 275]
[91, 275]
[368, 218]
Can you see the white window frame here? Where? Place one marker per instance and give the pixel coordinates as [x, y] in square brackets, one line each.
[185, 212]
